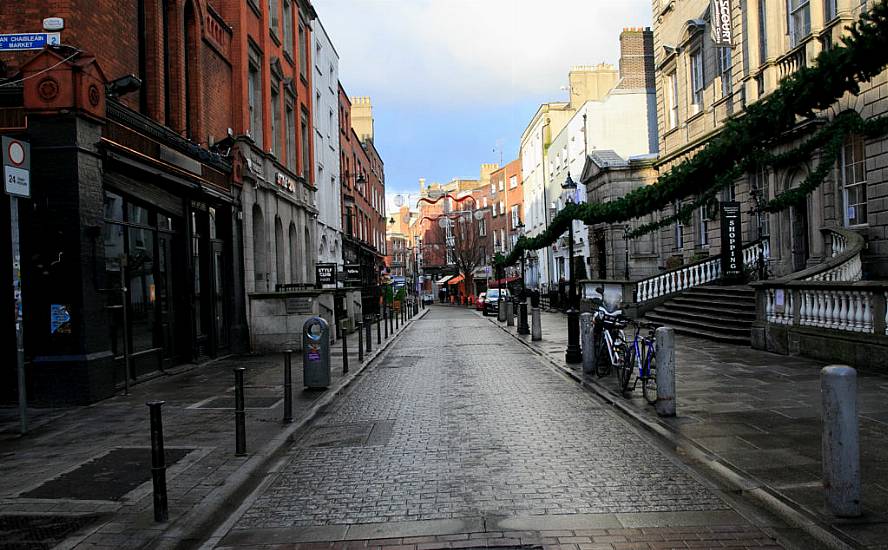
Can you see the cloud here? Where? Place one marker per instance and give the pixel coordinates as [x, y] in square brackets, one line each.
[485, 52]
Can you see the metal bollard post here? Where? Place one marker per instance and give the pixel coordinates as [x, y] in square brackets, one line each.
[158, 462]
[378, 331]
[288, 386]
[536, 327]
[665, 371]
[501, 311]
[344, 352]
[510, 314]
[368, 324]
[840, 440]
[587, 337]
[240, 429]
[385, 321]
[523, 327]
[360, 342]
[397, 316]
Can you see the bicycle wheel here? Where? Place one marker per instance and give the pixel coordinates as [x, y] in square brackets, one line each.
[602, 358]
[625, 364]
[649, 388]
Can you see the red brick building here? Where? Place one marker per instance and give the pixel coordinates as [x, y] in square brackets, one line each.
[363, 197]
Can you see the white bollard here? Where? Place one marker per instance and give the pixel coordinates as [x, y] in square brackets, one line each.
[510, 314]
[840, 441]
[665, 371]
[536, 327]
[587, 338]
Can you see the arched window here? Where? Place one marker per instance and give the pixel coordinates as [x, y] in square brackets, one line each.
[260, 268]
[294, 255]
[280, 250]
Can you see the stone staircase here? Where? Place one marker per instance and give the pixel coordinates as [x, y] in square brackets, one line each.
[715, 312]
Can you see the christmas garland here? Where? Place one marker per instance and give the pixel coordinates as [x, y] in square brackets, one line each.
[742, 142]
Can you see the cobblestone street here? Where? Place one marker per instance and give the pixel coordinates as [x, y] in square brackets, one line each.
[458, 430]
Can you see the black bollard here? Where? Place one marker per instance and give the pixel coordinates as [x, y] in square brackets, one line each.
[360, 342]
[378, 331]
[344, 351]
[397, 316]
[288, 386]
[385, 320]
[368, 324]
[158, 462]
[240, 430]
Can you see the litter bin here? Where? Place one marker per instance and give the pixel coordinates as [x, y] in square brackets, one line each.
[316, 353]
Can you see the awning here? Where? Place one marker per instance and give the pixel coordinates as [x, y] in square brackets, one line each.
[505, 281]
[456, 280]
[444, 279]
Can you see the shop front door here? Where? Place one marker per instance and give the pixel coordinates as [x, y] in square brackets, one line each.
[220, 316]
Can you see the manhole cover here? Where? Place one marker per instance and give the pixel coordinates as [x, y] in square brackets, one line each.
[249, 403]
[108, 477]
[350, 435]
[35, 532]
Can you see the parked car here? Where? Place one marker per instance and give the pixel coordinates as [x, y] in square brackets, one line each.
[479, 303]
[491, 300]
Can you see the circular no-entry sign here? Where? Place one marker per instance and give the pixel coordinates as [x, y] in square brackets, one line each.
[16, 153]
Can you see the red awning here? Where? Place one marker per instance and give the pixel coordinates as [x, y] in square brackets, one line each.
[505, 281]
[456, 280]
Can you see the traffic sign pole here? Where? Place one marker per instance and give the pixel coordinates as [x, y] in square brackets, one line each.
[19, 326]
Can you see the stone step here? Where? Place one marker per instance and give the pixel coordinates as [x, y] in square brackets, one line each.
[708, 335]
[719, 325]
[719, 318]
[715, 303]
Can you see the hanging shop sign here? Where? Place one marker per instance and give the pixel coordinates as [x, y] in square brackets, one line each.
[722, 25]
[325, 275]
[731, 254]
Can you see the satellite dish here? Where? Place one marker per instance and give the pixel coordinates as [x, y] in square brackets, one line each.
[399, 200]
[479, 215]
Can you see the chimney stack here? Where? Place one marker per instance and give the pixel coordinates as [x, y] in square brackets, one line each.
[637, 58]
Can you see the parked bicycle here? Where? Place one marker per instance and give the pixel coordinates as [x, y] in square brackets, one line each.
[609, 340]
[642, 359]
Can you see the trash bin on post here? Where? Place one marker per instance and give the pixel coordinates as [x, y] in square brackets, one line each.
[316, 353]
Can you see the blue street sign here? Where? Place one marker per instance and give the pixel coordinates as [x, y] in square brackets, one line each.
[28, 41]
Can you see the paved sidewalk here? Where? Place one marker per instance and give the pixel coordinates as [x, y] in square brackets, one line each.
[754, 418]
[83, 474]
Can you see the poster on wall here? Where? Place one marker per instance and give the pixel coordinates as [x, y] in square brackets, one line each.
[731, 252]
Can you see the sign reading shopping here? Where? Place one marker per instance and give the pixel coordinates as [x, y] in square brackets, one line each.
[722, 28]
[28, 41]
[731, 253]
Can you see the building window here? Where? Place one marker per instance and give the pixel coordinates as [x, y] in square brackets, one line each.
[697, 80]
[829, 10]
[306, 153]
[679, 228]
[291, 137]
[854, 181]
[502, 185]
[288, 27]
[760, 189]
[515, 217]
[276, 142]
[513, 182]
[272, 15]
[724, 69]
[799, 20]
[482, 227]
[703, 229]
[502, 208]
[672, 98]
[254, 101]
[762, 30]
[303, 50]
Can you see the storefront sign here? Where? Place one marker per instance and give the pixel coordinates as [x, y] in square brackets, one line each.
[731, 254]
[325, 275]
[722, 28]
[353, 273]
[299, 305]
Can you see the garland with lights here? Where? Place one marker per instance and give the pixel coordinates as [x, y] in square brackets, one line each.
[742, 142]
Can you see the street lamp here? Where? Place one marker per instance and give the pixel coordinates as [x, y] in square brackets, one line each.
[573, 354]
[523, 327]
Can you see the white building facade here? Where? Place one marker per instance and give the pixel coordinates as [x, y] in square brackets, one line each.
[326, 146]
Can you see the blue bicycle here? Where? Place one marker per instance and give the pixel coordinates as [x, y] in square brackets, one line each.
[643, 360]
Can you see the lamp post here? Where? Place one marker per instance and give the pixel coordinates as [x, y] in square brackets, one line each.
[523, 327]
[573, 354]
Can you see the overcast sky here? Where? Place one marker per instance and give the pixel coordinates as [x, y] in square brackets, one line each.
[454, 81]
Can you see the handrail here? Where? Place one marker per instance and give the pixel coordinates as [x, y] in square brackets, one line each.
[691, 275]
[844, 263]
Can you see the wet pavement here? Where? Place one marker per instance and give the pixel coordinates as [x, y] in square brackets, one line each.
[758, 414]
[459, 437]
[82, 474]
